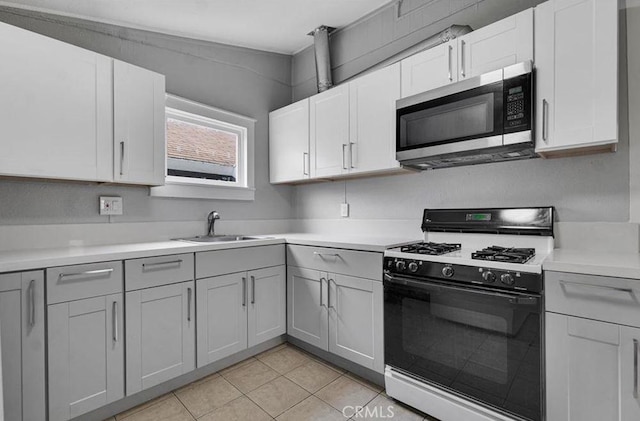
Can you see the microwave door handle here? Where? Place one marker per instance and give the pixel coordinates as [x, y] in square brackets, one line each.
[513, 299]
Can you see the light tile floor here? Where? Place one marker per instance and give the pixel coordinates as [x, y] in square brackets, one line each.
[283, 383]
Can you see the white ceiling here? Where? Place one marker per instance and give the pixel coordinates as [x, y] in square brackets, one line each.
[271, 25]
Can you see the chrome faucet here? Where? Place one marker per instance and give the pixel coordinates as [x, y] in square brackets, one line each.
[213, 215]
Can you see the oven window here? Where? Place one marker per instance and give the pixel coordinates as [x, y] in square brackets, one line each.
[481, 346]
[467, 115]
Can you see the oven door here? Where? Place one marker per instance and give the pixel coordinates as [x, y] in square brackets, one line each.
[478, 343]
[456, 118]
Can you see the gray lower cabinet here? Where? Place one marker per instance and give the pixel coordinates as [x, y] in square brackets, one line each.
[239, 310]
[337, 313]
[307, 310]
[85, 341]
[23, 347]
[160, 334]
[222, 316]
[334, 304]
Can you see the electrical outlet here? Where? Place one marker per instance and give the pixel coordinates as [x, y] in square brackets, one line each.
[111, 205]
[344, 210]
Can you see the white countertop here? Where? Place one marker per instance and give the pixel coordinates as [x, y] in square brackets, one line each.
[619, 265]
[21, 260]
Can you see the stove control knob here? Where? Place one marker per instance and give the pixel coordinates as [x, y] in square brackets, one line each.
[507, 279]
[413, 267]
[489, 276]
[447, 271]
[400, 266]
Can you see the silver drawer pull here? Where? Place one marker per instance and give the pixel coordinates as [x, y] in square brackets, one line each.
[171, 262]
[62, 276]
[627, 290]
[114, 320]
[32, 303]
[322, 255]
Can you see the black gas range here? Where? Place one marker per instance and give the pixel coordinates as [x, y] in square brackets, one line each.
[463, 313]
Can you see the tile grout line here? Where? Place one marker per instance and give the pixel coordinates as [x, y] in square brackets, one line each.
[183, 405]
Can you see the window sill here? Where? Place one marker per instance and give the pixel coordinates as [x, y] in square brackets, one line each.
[198, 191]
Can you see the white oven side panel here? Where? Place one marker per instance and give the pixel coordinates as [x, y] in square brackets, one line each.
[435, 402]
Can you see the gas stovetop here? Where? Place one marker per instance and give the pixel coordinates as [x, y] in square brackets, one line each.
[505, 254]
[430, 248]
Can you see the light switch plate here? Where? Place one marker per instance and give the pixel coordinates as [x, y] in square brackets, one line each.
[344, 210]
[111, 205]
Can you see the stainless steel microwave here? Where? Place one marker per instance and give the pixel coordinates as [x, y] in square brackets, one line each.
[481, 119]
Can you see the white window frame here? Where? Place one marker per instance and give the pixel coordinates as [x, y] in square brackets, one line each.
[184, 187]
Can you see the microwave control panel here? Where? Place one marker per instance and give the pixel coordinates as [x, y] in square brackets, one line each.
[517, 102]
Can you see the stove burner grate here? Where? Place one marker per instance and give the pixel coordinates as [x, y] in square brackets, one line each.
[432, 249]
[505, 254]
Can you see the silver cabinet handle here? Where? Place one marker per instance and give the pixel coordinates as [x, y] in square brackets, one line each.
[627, 290]
[344, 165]
[321, 302]
[329, 293]
[635, 368]
[253, 290]
[462, 72]
[351, 154]
[545, 123]
[189, 293]
[322, 255]
[305, 162]
[170, 262]
[449, 50]
[32, 303]
[121, 158]
[244, 291]
[62, 276]
[114, 320]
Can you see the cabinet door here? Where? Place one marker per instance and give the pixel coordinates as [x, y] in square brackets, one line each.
[583, 361]
[222, 316]
[58, 122]
[160, 335]
[372, 108]
[355, 320]
[86, 355]
[429, 69]
[630, 373]
[289, 143]
[139, 125]
[22, 346]
[267, 304]
[501, 44]
[307, 315]
[576, 75]
[329, 132]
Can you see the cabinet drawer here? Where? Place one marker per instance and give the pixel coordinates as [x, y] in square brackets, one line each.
[220, 262]
[347, 262]
[67, 283]
[155, 271]
[614, 300]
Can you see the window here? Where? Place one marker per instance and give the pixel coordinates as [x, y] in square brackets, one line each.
[209, 152]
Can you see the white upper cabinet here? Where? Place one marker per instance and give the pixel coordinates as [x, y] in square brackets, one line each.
[73, 114]
[289, 143]
[576, 76]
[329, 132]
[430, 69]
[56, 113]
[501, 44]
[139, 125]
[372, 117]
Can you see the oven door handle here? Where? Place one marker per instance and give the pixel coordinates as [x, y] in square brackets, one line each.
[516, 298]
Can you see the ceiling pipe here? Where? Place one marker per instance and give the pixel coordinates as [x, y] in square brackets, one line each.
[323, 56]
[452, 32]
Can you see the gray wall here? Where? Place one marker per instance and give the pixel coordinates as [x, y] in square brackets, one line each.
[239, 80]
[590, 188]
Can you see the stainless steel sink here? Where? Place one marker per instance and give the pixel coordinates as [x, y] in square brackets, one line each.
[217, 238]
